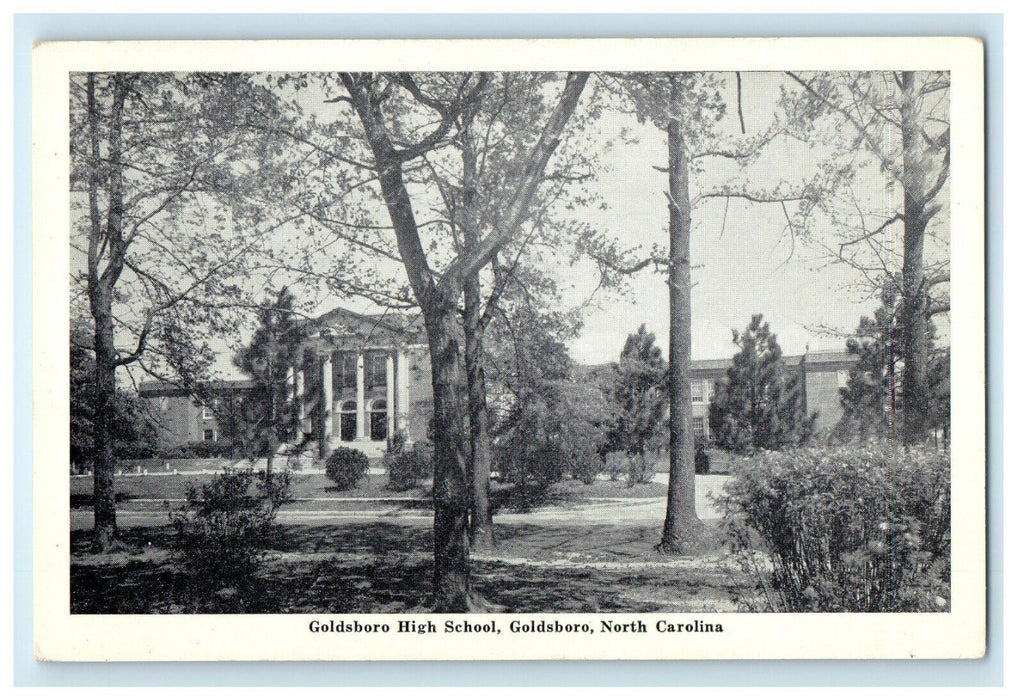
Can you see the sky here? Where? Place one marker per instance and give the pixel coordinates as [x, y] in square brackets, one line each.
[744, 261]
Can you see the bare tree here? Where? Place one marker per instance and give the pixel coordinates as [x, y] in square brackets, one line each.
[438, 293]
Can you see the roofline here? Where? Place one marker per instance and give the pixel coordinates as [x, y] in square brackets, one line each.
[383, 320]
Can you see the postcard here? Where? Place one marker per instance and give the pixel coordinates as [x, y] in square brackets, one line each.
[513, 349]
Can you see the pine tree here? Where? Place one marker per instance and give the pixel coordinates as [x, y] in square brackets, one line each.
[866, 397]
[642, 398]
[267, 359]
[872, 405]
[760, 405]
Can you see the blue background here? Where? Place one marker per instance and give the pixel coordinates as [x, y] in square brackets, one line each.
[55, 27]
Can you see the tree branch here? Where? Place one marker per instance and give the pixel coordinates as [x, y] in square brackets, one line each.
[526, 187]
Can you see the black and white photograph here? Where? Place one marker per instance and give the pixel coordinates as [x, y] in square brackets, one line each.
[511, 349]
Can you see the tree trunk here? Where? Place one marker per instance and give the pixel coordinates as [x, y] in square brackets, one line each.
[481, 529]
[272, 431]
[451, 492]
[915, 320]
[681, 521]
[479, 444]
[104, 459]
[105, 239]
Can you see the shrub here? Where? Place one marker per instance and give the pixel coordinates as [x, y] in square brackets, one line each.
[701, 461]
[346, 467]
[531, 466]
[614, 464]
[640, 469]
[201, 450]
[407, 467]
[856, 529]
[224, 527]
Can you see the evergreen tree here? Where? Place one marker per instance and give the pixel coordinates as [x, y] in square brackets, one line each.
[267, 360]
[870, 401]
[642, 398]
[866, 397]
[760, 406]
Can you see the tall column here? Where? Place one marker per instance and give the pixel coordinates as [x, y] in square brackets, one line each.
[300, 399]
[328, 394]
[360, 399]
[403, 393]
[289, 381]
[389, 375]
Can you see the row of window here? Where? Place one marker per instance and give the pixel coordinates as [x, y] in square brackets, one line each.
[701, 390]
[344, 423]
[374, 369]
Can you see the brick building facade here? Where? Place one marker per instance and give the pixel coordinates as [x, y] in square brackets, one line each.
[822, 375]
[360, 379]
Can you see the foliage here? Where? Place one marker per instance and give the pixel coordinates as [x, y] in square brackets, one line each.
[224, 528]
[346, 466]
[860, 113]
[160, 168]
[582, 414]
[406, 468]
[135, 434]
[528, 454]
[201, 450]
[760, 406]
[172, 262]
[855, 529]
[866, 398]
[558, 424]
[848, 117]
[267, 359]
[641, 396]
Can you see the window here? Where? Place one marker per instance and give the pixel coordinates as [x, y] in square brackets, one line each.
[379, 419]
[699, 430]
[376, 369]
[348, 370]
[207, 413]
[209, 435]
[347, 422]
[697, 391]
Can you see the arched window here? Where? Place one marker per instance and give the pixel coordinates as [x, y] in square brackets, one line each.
[348, 421]
[378, 410]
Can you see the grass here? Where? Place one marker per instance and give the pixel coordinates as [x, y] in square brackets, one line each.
[386, 568]
[720, 462]
[173, 487]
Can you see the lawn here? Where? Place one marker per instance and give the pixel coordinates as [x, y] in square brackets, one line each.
[386, 567]
[308, 489]
[173, 487]
[719, 462]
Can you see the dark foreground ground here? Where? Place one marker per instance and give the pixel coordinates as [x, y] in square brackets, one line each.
[358, 567]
